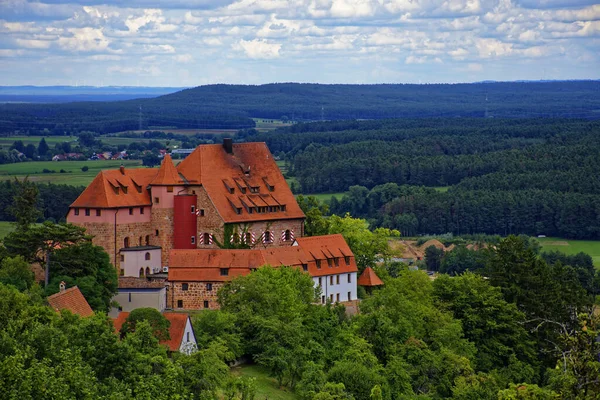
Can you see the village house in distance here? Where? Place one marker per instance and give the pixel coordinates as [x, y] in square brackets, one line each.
[224, 211]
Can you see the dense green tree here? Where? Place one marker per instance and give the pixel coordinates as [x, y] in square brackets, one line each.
[38, 243]
[433, 258]
[493, 325]
[25, 202]
[42, 148]
[159, 324]
[461, 259]
[218, 326]
[16, 271]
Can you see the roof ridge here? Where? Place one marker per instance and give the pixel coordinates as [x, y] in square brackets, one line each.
[167, 173]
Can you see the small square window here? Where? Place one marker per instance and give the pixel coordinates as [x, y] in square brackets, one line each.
[184, 287]
[130, 297]
[122, 257]
[349, 296]
[193, 209]
[122, 272]
[141, 210]
[337, 297]
[156, 200]
[76, 211]
[209, 287]
[87, 212]
[349, 278]
[130, 210]
[305, 267]
[169, 189]
[320, 281]
[337, 279]
[193, 239]
[331, 280]
[179, 303]
[205, 303]
[322, 299]
[98, 212]
[224, 271]
[201, 212]
[157, 232]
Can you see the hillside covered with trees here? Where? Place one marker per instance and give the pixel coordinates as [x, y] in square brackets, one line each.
[500, 176]
[231, 106]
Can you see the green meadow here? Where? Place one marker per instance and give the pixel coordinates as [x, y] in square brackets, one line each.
[266, 386]
[51, 141]
[73, 174]
[571, 247]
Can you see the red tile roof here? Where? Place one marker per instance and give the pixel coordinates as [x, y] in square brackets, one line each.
[200, 265]
[220, 173]
[369, 278]
[117, 188]
[70, 299]
[167, 174]
[239, 184]
[176, 330]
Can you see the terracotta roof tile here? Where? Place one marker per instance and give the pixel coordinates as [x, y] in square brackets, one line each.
[167, 174]
[200, 265]
[369, 278]
[176, 329]
[113, 188]
[71, 299]
[216, 170]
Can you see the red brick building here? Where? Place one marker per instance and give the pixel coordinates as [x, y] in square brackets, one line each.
[149, 220]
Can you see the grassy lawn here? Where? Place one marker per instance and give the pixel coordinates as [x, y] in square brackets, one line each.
[118, 140]
[263, 124]
[570, 247]
[441, 189]
[266, 386]
[326, 196]
[6, 228]
[73, 175]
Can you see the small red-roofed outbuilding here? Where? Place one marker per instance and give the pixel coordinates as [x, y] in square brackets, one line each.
[70, 299]
[369, 278]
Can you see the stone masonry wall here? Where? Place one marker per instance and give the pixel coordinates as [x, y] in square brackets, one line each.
[162, 221]
[194, 297]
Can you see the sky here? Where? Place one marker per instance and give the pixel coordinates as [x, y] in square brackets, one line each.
[187, 43]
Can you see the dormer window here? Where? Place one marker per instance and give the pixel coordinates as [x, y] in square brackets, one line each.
[336, 261]
[329, 262]
[254, 189]
[318, 262]
[347, 259]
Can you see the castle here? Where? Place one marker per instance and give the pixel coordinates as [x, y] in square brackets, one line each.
[222, 212]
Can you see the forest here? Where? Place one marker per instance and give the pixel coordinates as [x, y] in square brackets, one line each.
[500, 176]
[522, 327]
[232, 106]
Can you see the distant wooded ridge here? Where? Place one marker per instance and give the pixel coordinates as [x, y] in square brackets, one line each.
[232, 106]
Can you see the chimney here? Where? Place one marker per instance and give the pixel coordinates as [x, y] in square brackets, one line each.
[228, 145]
[122, 169]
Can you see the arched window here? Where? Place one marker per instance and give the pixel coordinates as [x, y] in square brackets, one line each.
[126, 242]
[147, 240]
[288, 235]
[141, 272]
[206, 238]
[268, 237]
[140, 241]
[147, 271]
[147, 256]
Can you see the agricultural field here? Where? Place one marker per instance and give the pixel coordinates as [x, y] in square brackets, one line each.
[571, 247]
[119, 140]
[263, 124]
[51, 141]
[325, 197]
[189, 132]
[266, 386]
[73, 174]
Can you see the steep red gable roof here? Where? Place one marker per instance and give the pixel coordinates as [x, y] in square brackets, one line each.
[117, 188]
[167, 174]
[71, 299]
[224, 177]
[369, 278]
[176, 330]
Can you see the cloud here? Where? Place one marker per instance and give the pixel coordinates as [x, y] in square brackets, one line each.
[310, 40]
[258, 48]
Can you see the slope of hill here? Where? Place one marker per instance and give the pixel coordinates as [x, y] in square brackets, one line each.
[230, 106]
